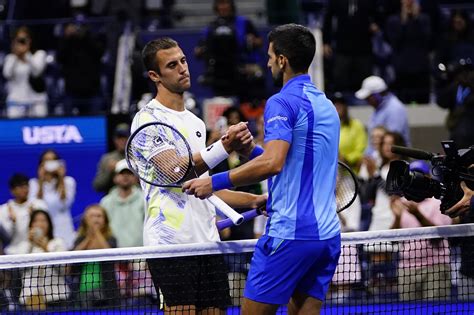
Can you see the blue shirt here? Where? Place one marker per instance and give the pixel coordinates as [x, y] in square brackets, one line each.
[301, 202]
[392, 114]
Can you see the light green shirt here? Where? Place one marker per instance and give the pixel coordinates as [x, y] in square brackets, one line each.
[126, 216]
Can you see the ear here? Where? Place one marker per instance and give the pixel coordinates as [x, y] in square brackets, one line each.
[281, 62]
[155, 77]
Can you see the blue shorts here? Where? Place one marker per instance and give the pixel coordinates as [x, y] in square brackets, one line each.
[280, 267]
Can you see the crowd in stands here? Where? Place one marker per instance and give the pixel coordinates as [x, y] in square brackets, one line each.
[384, 55]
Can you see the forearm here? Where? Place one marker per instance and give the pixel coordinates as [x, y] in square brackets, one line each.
[9, 65]
[83, 245]
[254, 171]
[424, 221]
[396, 223]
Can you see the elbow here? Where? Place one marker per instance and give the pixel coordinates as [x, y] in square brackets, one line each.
[271, 169]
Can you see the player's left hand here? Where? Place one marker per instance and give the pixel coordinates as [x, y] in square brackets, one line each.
[200, 187]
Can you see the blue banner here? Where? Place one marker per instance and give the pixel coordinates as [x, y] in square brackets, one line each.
[80, 142]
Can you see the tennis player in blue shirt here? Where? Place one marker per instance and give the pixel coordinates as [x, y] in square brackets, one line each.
[295, 260]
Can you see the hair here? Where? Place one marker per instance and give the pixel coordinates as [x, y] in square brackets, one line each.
[397, 140]
[25, 29]
[232, 5]
[296, 43]
[48, 218]
[57, 157]
[17, 179]
[106, 230]
[150, 50]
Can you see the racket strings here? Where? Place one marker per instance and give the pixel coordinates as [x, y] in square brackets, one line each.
[346, 188]
[159, 155]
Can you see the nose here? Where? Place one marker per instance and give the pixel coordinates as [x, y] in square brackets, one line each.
[182, 68]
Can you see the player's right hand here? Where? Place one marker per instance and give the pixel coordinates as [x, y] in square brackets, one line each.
[238, 137]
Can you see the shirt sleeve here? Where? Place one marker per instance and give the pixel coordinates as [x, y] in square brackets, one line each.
[279, 120]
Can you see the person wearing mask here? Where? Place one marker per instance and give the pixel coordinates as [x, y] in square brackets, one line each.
[58, 190]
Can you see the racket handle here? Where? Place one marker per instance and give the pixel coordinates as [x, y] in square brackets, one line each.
[233, 215]
[248, 215]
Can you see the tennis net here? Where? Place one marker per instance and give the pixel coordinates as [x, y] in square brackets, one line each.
[405, 271]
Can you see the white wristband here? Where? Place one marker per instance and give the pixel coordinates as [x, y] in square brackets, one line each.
[214, 154]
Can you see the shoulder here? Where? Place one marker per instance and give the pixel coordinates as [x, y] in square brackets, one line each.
[70, 180]
[57, 245]
[39, 54]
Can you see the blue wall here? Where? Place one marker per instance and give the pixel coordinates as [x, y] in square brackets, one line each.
[78, 141]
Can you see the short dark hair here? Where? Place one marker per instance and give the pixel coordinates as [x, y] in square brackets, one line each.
[296, 43]
[17, 179]
[150, 50]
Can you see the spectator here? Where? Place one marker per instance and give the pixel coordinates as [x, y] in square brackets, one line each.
[15, 213]
[424, 270]
[389, 111]
[80, 55]
[380, 259]
[367, 181]
[382, 217]
[347, 36]
[458, 42]
[43, 285]
[58, 191]
[458, 98]
[95, 282]
[103, 180]
[125, 206]
[14, 221]
[409, 34]
[23, 69]
[353, 138]
[230, 49]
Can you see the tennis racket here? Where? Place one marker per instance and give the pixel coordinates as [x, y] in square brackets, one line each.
[160, 156]
[346, 192]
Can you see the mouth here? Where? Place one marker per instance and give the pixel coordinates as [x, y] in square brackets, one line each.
[184, 78]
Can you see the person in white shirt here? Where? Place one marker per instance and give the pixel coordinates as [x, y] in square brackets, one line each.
[23, 67]
[58, 191]
[15, 213]
[173, 217]
[43, 285]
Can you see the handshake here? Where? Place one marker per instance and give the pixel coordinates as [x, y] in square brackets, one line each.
[238, 138]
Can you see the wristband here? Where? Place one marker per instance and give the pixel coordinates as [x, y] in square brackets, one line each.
[214, 154]
[221, 181]
[258, 150]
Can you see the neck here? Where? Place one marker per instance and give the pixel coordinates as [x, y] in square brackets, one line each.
[174, 101]
[289, 74]
[20, 201]
[124, 192]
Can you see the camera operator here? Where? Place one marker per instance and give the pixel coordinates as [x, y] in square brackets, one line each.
[464, 205]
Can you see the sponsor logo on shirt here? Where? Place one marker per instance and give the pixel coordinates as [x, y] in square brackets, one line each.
[51, 134]
[277, 118]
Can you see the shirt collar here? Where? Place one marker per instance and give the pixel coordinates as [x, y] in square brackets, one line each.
[302, 78]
